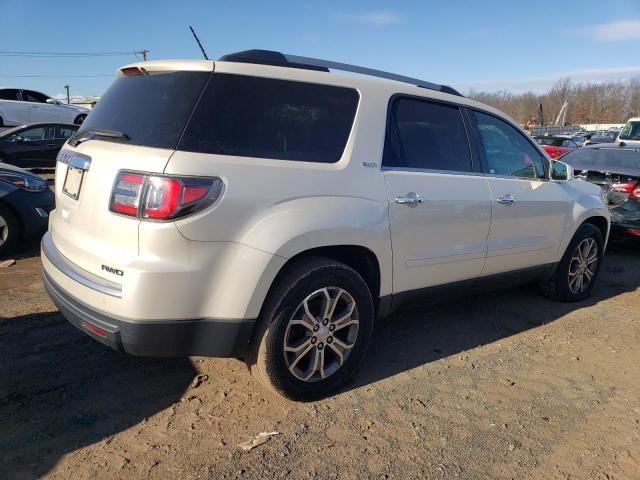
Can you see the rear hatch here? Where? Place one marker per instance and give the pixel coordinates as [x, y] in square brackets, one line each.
[136, 125]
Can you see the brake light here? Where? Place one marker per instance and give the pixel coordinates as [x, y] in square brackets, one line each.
[126, 194]
[133, 71]
[158, 197]
[632, 188]
[633, 231]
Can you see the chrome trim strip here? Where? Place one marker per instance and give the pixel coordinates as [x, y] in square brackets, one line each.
[75, 160]
[76, 273]
[429, 170]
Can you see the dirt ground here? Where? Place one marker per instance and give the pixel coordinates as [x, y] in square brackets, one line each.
[509, 385]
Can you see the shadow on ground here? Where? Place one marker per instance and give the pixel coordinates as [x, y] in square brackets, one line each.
[60, 391]
[415, 337]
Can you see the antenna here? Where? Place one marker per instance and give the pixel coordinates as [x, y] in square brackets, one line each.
[199, 44]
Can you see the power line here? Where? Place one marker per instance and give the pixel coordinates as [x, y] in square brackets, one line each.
[63, 54]
[59, 76]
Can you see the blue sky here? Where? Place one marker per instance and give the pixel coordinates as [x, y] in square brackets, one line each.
[488, 45]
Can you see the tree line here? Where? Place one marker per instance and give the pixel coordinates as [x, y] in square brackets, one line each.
[607, 102]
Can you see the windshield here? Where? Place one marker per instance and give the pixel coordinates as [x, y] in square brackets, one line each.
[631, 131]
[151, 110]
[603, 159]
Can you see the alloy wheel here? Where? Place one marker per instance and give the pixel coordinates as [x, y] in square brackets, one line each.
[4, 230]
[321, 334]
[583, 265]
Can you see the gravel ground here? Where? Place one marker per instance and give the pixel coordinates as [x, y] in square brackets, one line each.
[509, 385]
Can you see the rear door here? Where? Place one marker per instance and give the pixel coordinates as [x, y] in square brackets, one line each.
[39, 109]
[529, 211]
[439, 205]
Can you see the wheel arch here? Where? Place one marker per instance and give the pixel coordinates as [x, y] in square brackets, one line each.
[601, 223]
[360, 258]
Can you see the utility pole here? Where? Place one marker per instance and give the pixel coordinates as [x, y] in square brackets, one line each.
[143, 53]
[68, 99]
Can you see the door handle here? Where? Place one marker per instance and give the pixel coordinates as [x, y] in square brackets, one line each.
[51, 145]
[411, 199]
[507, 199]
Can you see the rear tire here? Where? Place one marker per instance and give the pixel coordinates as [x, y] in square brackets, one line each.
[9, 231]
[576, 273]
[314, 330]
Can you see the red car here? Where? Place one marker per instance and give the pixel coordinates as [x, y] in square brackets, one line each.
[556, 146]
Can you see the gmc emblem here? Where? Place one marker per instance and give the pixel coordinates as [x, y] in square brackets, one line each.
[115, 271]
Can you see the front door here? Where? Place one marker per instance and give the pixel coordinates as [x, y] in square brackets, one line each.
[439, 207]
[529, 211]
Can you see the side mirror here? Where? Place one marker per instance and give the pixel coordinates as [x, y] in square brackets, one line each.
[16, 139]
[53, 101]
[561, 171]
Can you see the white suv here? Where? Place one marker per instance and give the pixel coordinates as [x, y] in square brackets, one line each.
[264, 207]
[19, 107]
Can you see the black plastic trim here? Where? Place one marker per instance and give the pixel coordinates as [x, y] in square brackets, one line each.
[156, 338]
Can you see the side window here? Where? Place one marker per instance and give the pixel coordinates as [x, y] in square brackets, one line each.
[9, 94]
[426, 135]
[506, 150]
[31, 96]
[33, 134]
[268, 118]
[569, 144]
[65, 132]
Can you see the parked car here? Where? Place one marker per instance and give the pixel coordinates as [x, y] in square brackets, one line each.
[18, 107]
[25, 203]
[34, 145]
[601, 137]
[284, 207]
[616, 169]
[556, 146]
[630, 133]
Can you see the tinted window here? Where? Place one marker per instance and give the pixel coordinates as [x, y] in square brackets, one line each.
[30, 96]
[569, 144]
[9, 94]
[550, 141]
[506, 150]
[65, 132]
[32, 134]
[426, 135]
[268, 118]
[151, 109]
[603, 159]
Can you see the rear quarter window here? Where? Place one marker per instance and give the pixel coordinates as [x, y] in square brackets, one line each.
[270, 118]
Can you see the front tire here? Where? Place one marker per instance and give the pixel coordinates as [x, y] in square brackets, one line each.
[314, 330]
[576, 273]
[9, 231]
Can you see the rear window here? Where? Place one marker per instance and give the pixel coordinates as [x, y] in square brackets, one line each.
[550, 141]
[268, 118]
[602, 158]
[151, 110]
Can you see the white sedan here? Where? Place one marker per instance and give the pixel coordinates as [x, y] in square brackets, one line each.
[18, 107]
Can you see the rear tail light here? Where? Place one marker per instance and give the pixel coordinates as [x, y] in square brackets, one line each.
[158, 197]
[632, 188]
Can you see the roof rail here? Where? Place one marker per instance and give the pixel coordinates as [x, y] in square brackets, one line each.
[268, 57]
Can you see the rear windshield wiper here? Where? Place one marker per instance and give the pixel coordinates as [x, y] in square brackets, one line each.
[91, 133]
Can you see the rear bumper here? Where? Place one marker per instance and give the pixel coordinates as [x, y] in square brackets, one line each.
[157, 338]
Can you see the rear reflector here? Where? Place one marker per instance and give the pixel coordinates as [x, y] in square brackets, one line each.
[158, 197]
[92, 328]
